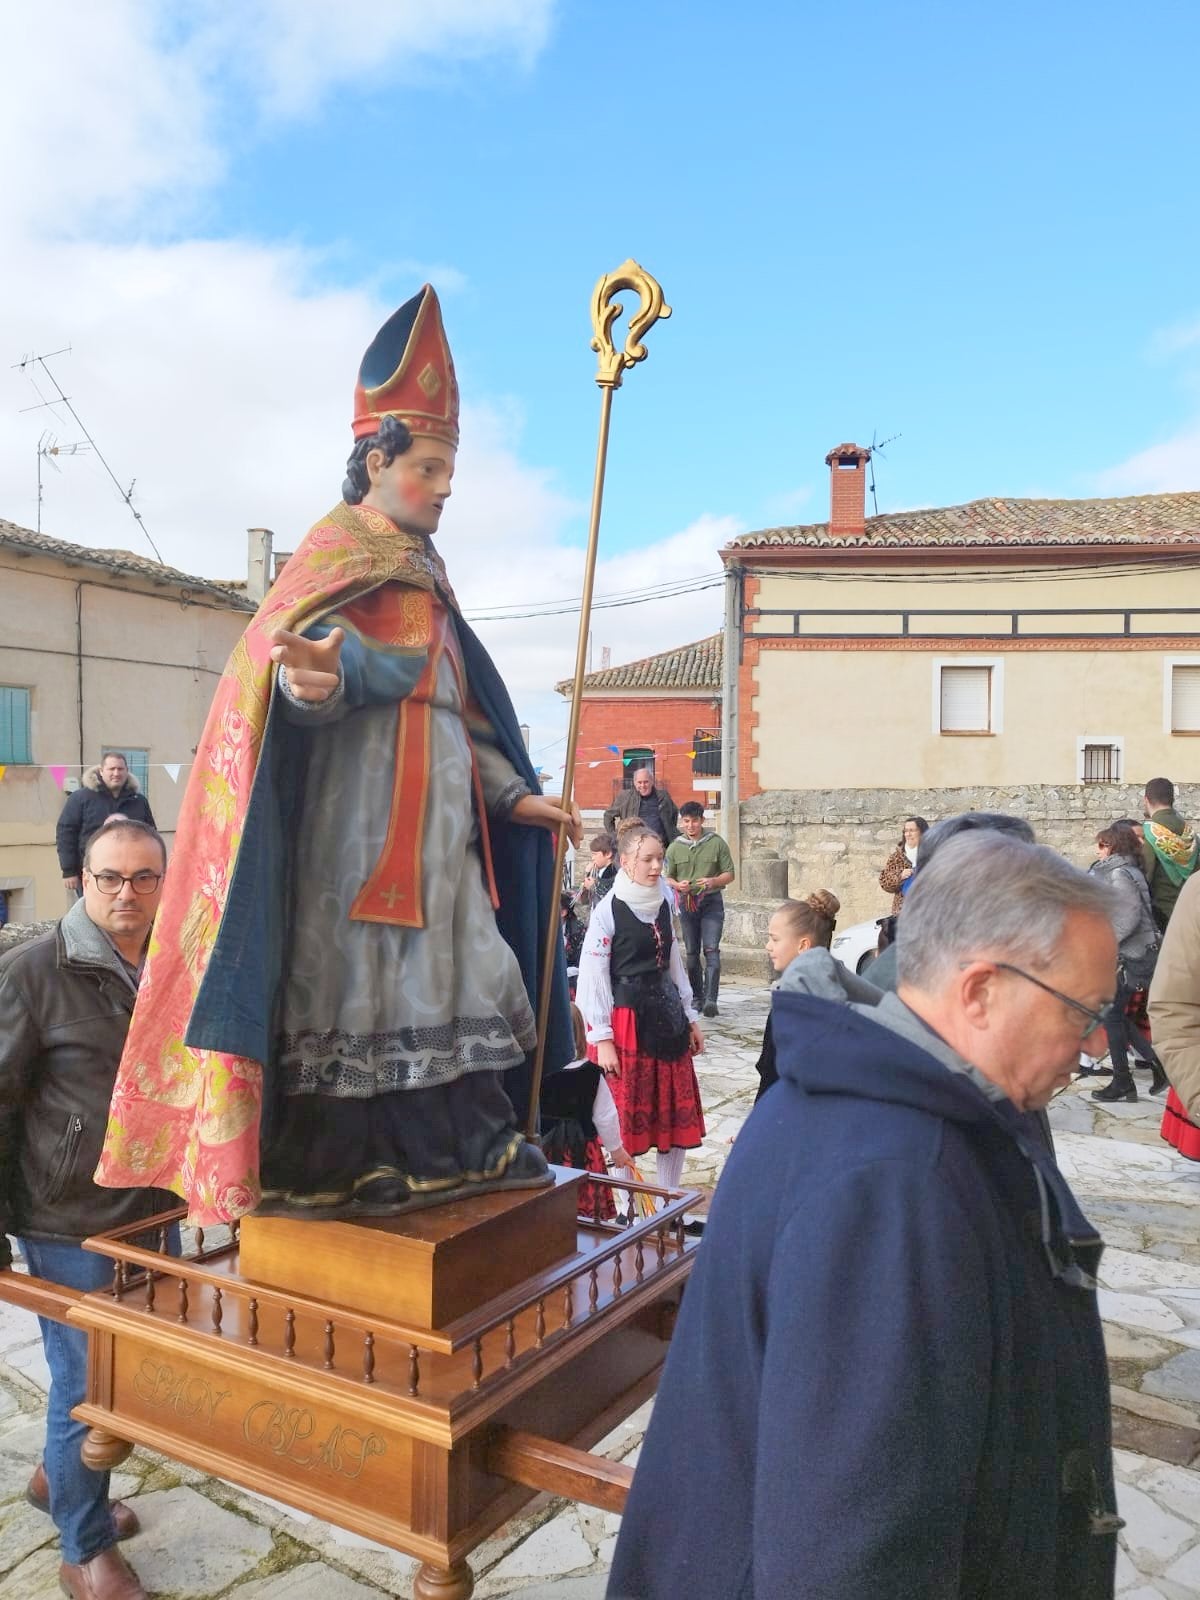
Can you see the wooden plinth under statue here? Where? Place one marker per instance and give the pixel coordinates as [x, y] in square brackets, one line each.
[414, 1380]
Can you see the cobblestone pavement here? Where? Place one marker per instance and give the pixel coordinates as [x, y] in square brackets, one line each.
[203, 1539]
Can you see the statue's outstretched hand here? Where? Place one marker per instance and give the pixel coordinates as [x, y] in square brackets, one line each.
[547, 811]
[312, 664]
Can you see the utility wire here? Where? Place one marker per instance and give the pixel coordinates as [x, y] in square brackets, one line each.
[632, 597]
[126, 494]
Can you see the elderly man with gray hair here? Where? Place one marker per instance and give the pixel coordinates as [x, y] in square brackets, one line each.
[893, 1318]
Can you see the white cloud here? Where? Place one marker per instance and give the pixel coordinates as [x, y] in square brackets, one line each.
[295, 51]
[218, 372]
[1163, 468]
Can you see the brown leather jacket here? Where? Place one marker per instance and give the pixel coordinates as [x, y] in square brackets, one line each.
[65, 1004]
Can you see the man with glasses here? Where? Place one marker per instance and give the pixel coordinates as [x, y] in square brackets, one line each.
[65, 1003]
[893, 1320]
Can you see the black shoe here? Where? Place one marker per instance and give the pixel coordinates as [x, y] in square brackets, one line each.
[695, 1228]
[1159, 1080]
[710, 1009]
[1121, 1088]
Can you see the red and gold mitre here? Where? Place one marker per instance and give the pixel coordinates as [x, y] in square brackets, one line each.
[407, 373]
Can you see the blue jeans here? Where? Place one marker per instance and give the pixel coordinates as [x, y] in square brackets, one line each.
[702, 932]
[78, 1496]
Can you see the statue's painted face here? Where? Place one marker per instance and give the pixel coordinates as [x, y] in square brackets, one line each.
[413, 488]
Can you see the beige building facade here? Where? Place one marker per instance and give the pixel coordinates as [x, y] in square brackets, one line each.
[99, 649]
[1036, 656]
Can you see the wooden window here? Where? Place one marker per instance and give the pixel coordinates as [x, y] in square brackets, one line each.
[707, 744]
[1185, 699]
[138, 762]
[966, 700]
[15, 723]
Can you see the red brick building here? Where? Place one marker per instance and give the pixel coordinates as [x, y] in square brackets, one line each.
[663, 712]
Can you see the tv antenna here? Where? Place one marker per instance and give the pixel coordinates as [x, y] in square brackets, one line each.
[49, 450]
[874, 450]
[25, 363]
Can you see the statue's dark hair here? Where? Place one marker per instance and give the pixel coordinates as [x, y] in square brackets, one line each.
[393, 439]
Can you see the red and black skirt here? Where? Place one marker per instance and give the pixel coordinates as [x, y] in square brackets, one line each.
[657, 1097]
[1178, 1128]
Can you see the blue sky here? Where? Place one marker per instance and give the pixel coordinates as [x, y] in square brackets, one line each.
[971, 227]
[965, 225]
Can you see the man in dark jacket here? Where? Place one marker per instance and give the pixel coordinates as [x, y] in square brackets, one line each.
[107, 790]
[65, 1003]
[648, 803]
[1170, 850]
[888, 1377]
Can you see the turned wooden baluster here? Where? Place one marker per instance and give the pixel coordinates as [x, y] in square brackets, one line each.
[593, 1290]
[289, 1334]
[510, 1343]
[616, 1276]
[414, 1370]
[369, 1358]
[328, 1363]
[660, 1244]
[199, 1244]
[252, 1324]
[217, 1309]
[477, 1363]
[183, 1300]
[539, 1326]
[568, 1302]
[639, 1262]
[150, 1291]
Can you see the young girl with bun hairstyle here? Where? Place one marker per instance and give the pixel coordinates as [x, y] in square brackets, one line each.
[636, 1000]
[797, 926]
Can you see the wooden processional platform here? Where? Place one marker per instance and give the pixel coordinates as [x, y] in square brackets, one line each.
[415, 1380]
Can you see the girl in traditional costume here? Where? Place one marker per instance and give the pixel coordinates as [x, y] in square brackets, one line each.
[637, 1003]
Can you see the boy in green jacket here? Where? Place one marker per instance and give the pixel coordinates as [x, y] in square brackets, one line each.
[698, 867]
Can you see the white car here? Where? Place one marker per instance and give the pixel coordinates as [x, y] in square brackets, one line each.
[855, 947]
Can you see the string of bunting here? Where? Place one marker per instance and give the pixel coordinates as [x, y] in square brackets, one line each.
[58, 770]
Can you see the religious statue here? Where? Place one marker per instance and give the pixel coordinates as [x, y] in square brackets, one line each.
[337, 1014]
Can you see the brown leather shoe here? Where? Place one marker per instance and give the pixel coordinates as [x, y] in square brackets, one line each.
[37, 1492]
[107, 1576]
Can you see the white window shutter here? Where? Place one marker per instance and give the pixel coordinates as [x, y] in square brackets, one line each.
[1185, 699]
[966, 699]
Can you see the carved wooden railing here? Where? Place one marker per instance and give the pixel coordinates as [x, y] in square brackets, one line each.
[199, 1291]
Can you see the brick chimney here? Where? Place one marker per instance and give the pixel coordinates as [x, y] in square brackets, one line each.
[847, 465]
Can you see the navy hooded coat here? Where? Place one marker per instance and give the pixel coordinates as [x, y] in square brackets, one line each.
[888, 1377]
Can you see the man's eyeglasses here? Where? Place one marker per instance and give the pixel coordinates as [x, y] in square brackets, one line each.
[113, 882]
[1095, 1019]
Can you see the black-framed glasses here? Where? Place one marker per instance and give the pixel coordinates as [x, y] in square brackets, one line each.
[1095, 1019]
[145, 882]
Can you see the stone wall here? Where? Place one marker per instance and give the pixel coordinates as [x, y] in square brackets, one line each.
[839, 839]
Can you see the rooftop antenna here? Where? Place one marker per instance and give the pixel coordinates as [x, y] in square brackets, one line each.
[48, 448]
[126, 494]
[872, 452]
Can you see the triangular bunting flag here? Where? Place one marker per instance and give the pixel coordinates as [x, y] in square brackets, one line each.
[171, 768]
[59, 774]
